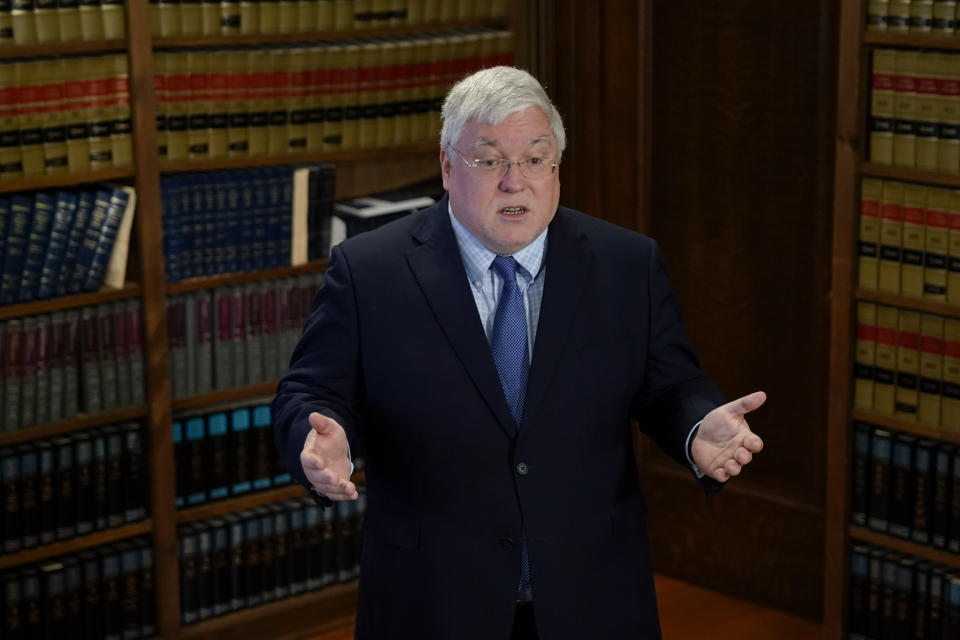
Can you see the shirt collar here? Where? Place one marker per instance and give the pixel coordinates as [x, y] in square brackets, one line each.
[477, 258]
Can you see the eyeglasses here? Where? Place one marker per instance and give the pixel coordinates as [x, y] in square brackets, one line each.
[532, 168]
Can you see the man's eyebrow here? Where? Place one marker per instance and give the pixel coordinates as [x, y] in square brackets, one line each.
[493, 142]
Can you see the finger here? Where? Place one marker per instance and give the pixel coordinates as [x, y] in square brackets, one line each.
[323, 425]
[732, 468]
[742, 456]
[720, 475]
[324, 476]
[312, 461]
[747, 403]
[753, 443]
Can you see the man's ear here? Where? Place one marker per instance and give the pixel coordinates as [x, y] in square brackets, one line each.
[445, 167]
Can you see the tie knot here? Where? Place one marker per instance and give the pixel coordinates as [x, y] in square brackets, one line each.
[506, 268]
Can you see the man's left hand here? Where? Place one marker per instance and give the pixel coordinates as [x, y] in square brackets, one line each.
[724, 444]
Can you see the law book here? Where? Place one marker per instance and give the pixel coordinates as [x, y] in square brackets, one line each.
[936, 244]
[927, 111]
[944, 17]
[85, 488]
[176, 338]
[28, 372]
[860, 486]
[204, 569]
[203, 355]
[229, 18]
[923, 487]
[891, 237]
[168, 12]
[32, 608]
[73, 592]
[89, 240]
[64, 214]
[248, 222]
[12, 604]
[92, 401]
[41, 395]
[172, 228]
[116, 489]
[237, 569]
[328, 549]
[297, 548]
[950, 402]
[131, 597]
[268, 576]
[931, 369]
[179, 466]
[68, 20]
[865, 354]
[281, 550]
[223, 349]
[241, 478]
[908, 363]
[102, 111]
[880, 462]
[238, 329]
[111, 590]
[107, 356]
[3, 369]
[116, 268]
[29, 495]
[53, 600]
[886, 359]
[921, 16]
[13, 374]
[148, 618]
[78, 229]
[195, 445]
[914, 238]
[132, 314]
[343, 540]
[46, 478]
[198, 107]
[89, 563]
[218, 437]
[71, 360]
[951, 606]
[942, 498]
[314, 533]
[10, 488]
[858, 601]
[65, 483]
[122, 353]
[56, 367]
[100, 473]
[91, 22]
[252, 546]
[135, 473]
[948, 90]
[52, 73]
[11, 155]
[120, 206]
[271, 338]
[262, 447]
[220, 597]
[887, 586]
[177, 86]
[901, 482]
[15, 250]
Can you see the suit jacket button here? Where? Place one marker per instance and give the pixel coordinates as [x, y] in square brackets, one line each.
[522, 468]
[506, 542]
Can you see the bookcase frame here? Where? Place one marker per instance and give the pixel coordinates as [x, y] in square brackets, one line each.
[358, 172]
[853, 91]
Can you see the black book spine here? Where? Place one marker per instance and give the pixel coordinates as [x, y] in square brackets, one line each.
[238, 564]
[888, 592]
[73, 585]
[148, 594]
[12, 605]
[196, 477]
[859, 591]
[66, 499]
[251, 556]
[204, 571]
[936, 590]
[10, 483]
[99, 470]
[48, 492]
[268, 551]
[29, 495]
[874, 593]
[179, 468]
[953, 538]
[83, 452]
[189, 602]
[110, 593]
[241, 477]
[879, 479]
[115, 481]
[31, 603]
[298, 556]
[901, 485]
[940, 516]
[92, 598]
[134, 474]
[921, 579]
[131, 599]
[343, 536]
[951, 606]
[361, 514]
[220, 533]
[53, 601]
[313, 534]
[328, 551]
[281, 550]
[262, 463]
[923, 486]
[217, 476]
[860, 493]
[903, 598]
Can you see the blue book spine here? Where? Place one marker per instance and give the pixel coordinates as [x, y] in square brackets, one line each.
[261, 195]
[240, 445]
[56, 250]
[215, 224]
[108, 237]
[171, 229]
[211, 247]
[4, 221]
[179, 464]
[277, 213]
[262, 451]
[231, 221]
[18, 232]
[77, 232]
[90, 240]
[286, 217]
[196, 472]
[44, 205]
[198, 214]
[188, 266]
[248, 221]
[217, 469]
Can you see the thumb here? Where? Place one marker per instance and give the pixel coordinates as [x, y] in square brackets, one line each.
[323, 425]
[747, 403]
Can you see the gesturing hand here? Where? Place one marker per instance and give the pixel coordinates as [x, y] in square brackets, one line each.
[325, 460]
[724, 442]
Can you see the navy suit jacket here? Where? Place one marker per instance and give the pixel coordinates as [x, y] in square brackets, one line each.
[394, 350]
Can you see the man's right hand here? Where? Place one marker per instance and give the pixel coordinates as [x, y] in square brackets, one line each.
[325, 460]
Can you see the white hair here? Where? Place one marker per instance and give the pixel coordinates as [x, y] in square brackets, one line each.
[489, 96]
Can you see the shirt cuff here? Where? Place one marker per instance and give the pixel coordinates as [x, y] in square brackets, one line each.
[690, 437]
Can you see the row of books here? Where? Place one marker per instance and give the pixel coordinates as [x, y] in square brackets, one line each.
[245, 219]
[103, 593]
[232, 17]
[225, 454]
[921, 17]
[59, 488]
[56, 243]
[256, 556]
[915, 109]
[312, 97]
[238, 335]
[32, 21]
[897, 596]
[53, 366]
[908, 364]
[909, 240]
[64, 114]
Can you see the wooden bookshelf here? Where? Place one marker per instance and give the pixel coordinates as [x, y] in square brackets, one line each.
[75, 544]
[250, 501]
[925, 552]
[11, 51]
[320, 611]
[224, 395]
[906, 426]
[931, 41]
[65, 179]
[211, 282]
[315, 36]
[77, 423]
[906, 174]
[905, 302]
[130, 290]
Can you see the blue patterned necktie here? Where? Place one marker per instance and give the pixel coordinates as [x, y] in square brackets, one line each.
[509, 347]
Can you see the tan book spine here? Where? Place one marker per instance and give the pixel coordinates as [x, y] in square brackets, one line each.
[178, 98]
[882, 95]
[398, 12]
[24, 24]
[230, 17]
[287, 12]
[891, 236]
[114, 21]
[944, 17]
[155, 19]
[306, 15]
[332, 96]
[908, 364]
[170, 18]
[467, 9]
[6, 21]
[928, 114]
[505, 50]
[198, 108]
[441, 54]
[100, 113]
[316, 111]
[191, 17]
[219, 102]
[898, 16]
[238, 123]
[349, 94]
[421, 79]
[404, 93]
[258, 89]
[342, 15]
[948, 99]
[78, 93]
[48, 25]
[448, 10]
[249, 16]
[68, 20]
[415, 9]
[53, 72]
[866, 355]
[269, 16]
[121, 127]
[914, 240]
[299, 100]
[886, 359]
[91, 20]
[11, 159]
[877, 15]
[931, 369]
[30, 117]
[325, 15]
[498, 8]
[953, 250]
[363, 14]
[950, 403]
[905, 109]
[210, 17]
[279, 102]
[936, 245]
[162, 105]
[921, 17]
[868, 260]
[431, 11]
[367, 95]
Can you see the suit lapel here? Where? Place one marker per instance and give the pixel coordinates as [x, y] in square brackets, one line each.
[568, 265]
[438, 268]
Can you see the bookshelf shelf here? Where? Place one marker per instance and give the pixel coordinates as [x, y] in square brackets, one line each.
[236, 504]
[912, 40]
[917, 304]
[327, 609]
[77, 423]
[905, 546]
[9, 51]
[131, 290]
[315, 36]
[906, 426]
[64, 179]
[75, 544]
[907, 174]
[210, 282]
[176, 166]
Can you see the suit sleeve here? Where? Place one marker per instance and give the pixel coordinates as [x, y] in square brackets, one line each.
[676, 394]
[324, 374]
